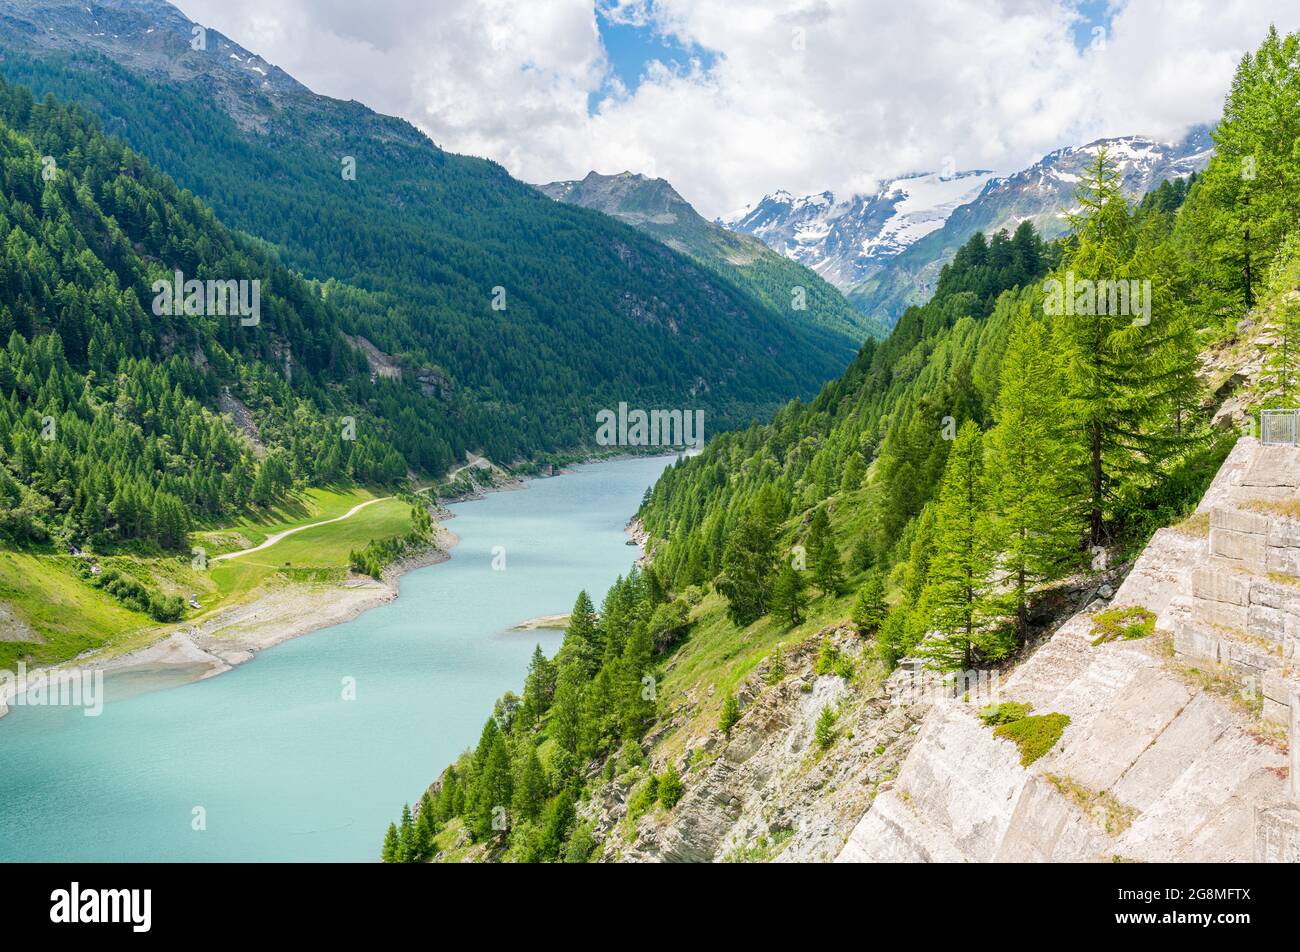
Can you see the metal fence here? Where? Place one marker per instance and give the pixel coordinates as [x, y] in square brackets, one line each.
[1279, 426]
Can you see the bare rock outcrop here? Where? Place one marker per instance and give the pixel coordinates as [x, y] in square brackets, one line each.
[770, 791]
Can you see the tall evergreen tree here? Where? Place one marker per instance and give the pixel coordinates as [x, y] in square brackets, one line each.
[1248, 200]
[747, 563]
[582, 641]
[529, 794]
[1126, 373]
[426, 827]
[956, 598]
[1038, 510]
[1281, 377]
[870, 608]
[390, 850]
[827, 570]
[406, 850]
[539, 685]
[789, 601]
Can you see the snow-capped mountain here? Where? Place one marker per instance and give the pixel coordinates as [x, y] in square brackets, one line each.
[842, 239]
[1044, 193]
[885, 250]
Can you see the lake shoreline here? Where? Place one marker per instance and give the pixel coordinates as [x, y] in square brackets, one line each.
[234, 636]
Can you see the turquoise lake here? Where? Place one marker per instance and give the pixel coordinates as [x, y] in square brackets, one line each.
[283, 767]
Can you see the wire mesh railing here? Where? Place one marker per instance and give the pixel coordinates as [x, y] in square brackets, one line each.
[1279, 426]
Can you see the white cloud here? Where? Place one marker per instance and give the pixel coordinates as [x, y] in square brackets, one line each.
[878, 88]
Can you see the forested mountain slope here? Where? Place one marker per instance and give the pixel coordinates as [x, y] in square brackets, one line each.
[655, 207]
[964, 480]
[539, 312]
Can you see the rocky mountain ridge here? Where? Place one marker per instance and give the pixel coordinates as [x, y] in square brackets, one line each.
[847, 239]
[653, 206]
[886, 250]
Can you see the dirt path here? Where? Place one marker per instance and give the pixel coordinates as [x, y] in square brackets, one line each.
[272, 540]
[477, 462]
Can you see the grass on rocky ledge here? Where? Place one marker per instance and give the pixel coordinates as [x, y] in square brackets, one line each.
[1123, 623]
[1101, 806]
[1035, 735]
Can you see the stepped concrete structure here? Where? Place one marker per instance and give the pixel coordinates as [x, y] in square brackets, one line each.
[1245, 601]
[1177, 746]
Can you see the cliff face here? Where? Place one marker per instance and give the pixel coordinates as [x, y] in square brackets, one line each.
[1169, 754]
[769, 791]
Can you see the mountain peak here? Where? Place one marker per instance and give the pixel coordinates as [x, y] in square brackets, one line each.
[849, 240]
[837, 238]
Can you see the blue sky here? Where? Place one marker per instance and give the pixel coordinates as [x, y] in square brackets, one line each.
[882, 86]
[1094, 14]
[630, 47]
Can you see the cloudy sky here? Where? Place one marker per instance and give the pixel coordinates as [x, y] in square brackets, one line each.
[731, 99]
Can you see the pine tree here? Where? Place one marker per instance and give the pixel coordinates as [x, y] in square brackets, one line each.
[870, 609]
[670, 787]
[539, 685]
[448, 796]
[788, 601]
[956, 595]
[747, 563]
[827, 569]
[390, 850]
[566, 711]
[1249, 198]
[582, 642]
[557, 820]
[1037, 509]
[854, 470]
[861, 558]
[529, 786]
[406, 852]
[730, 714]
[819, 535]
[636, 706]
[426, 827]
[1281, 378]
[825, 730]
[599, 717]
[1126, 376]
[492, 782]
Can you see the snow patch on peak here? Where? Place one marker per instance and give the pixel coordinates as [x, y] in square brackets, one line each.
[840, 237]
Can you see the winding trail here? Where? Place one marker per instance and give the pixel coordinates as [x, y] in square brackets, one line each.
[476, 462]
[273, 539]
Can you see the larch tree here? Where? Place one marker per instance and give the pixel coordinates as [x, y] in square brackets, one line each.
[1037, 510]
[870, 608]
[1129, 352]
[956, 598]
[789, 600]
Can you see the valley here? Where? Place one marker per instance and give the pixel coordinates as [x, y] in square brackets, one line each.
[938, 516]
